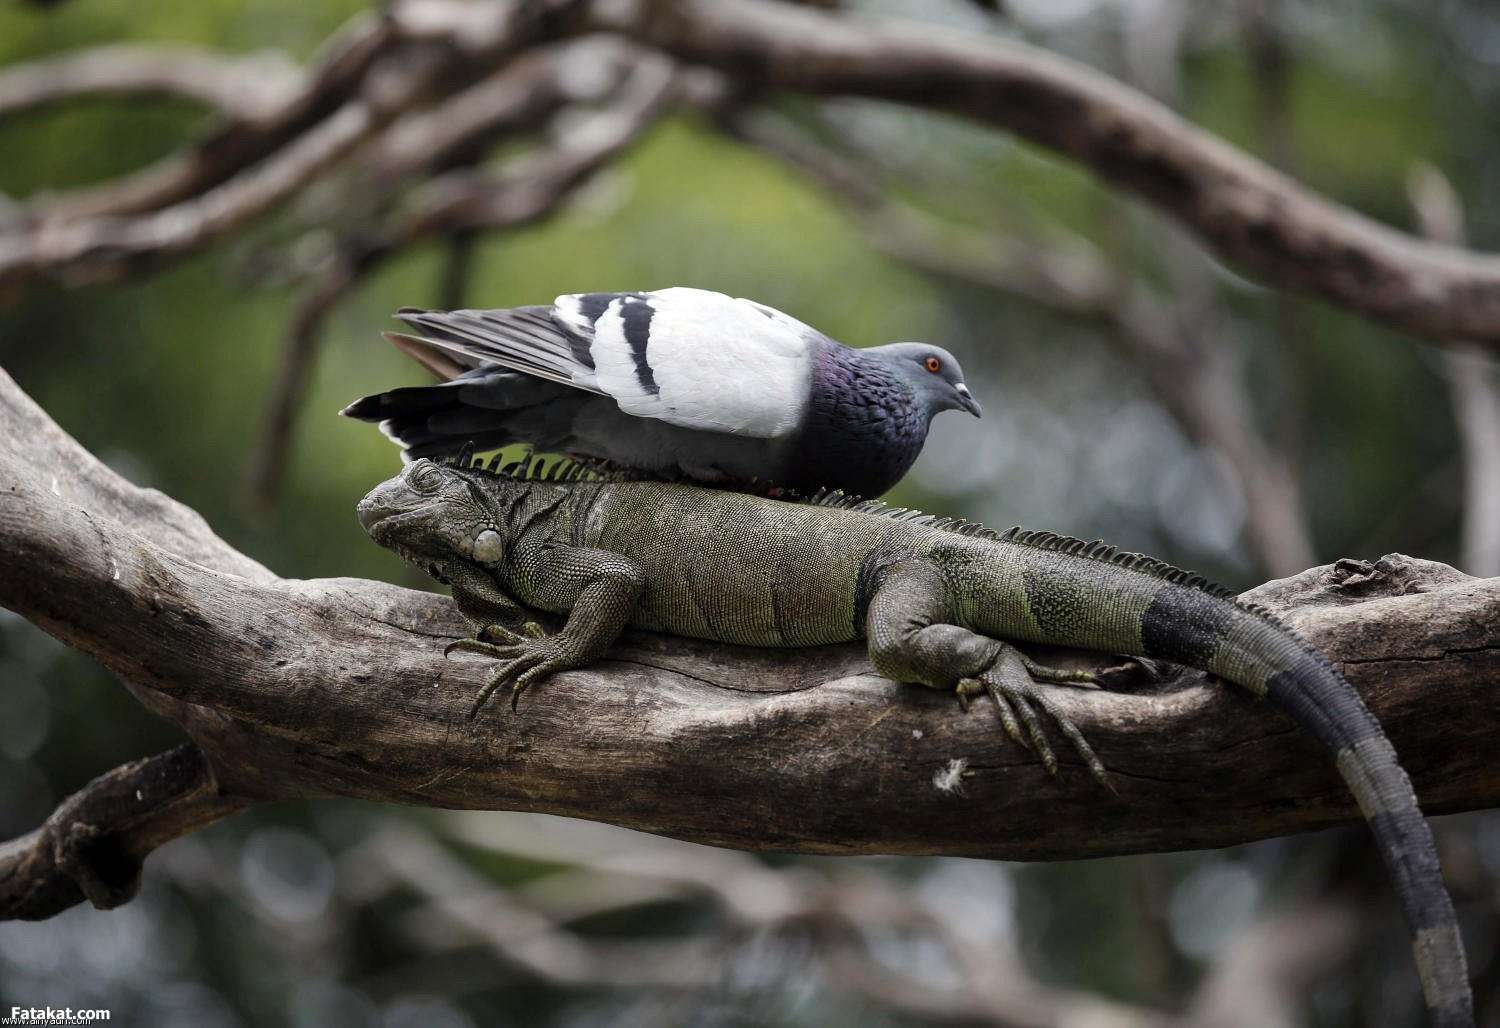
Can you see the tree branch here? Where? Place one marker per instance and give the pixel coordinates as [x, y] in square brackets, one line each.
[244, 88]
[1246, 212]
[1474, 388]
[93, 844]
[375, 74]
[338, 687]
[239, 142]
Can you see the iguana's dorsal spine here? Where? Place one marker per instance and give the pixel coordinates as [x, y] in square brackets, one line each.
[534, 468]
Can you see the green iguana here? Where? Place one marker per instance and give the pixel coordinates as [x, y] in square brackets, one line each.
[934, 598]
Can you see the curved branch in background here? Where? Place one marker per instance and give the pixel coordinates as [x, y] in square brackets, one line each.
[93, 845]
[375, 75]
[1247, 213]
[100, 248]
[238, 143]
[338, 687]
[243, 88]
[1194, 384]
[459, 202]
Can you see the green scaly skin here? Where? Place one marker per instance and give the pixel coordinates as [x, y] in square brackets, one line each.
[934, 598]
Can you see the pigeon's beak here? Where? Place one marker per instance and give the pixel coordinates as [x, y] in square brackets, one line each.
[968, 402]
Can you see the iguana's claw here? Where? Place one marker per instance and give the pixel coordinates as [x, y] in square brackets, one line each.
[522, 665]
[527, 657]
[1009, 683]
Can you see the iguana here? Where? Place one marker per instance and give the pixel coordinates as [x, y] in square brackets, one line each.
[934, 597]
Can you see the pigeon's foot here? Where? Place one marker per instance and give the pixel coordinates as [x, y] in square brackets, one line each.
[1012, 682]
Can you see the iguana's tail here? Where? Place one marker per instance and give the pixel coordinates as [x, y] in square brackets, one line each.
[1250, 647]
[1137, 605]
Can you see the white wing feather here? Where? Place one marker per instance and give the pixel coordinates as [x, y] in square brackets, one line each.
[717, 363]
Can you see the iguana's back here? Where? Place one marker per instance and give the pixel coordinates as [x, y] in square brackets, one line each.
[745, 569]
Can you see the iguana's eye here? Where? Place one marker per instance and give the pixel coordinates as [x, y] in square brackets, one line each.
[933, 365]
[424, 477]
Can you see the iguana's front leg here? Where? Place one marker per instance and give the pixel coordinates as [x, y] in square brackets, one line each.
[912, 639]
[495, 613]
[599, 589]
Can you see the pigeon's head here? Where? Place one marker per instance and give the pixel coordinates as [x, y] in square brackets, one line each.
[934, 374]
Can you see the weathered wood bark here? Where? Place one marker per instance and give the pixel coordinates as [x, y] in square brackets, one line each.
[338, 687]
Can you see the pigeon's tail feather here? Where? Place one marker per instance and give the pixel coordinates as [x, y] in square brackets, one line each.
[526, 339]
[489, 402]
[406, 402]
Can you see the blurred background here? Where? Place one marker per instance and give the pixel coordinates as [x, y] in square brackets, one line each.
[1133, 390]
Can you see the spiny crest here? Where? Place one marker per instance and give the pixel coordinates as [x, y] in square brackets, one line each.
[1100, 550]
[534, 467]
[1096, 550]
[847, 501]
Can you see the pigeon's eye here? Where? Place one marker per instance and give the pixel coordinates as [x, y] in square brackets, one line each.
[933, 365]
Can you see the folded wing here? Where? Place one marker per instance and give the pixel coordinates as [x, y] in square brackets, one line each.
[689, 357]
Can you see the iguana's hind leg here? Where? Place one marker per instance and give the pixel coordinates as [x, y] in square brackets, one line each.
[912, 639]
[1009, 682]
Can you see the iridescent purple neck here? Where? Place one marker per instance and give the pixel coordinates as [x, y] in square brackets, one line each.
[862, 430]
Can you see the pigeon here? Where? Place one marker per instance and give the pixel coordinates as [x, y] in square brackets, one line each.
[676, 383]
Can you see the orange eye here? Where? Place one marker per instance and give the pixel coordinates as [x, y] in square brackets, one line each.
[933, 365]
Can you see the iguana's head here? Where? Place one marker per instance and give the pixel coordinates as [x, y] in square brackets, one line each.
[433, 512]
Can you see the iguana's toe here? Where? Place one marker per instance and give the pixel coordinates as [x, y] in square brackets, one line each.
[521, 665]
[511, 636]
[505, 652]
[973, 686]
[1009, 683]
[1080, 677]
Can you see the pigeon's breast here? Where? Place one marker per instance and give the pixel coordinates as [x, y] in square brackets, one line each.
[862, 430]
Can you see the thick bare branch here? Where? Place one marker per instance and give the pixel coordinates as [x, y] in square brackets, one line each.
[338, 687]
[1243, 210]
[93, 845]
[246, 88]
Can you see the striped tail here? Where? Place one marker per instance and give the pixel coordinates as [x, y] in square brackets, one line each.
[1185, 620]
[1069, 592]
[1322, 701]
[1187, 624]
[1049, 588]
